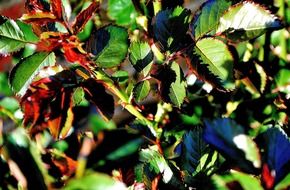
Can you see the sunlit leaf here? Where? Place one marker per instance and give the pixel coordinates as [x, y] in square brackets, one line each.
[156, 163]
[247, 20]
[141, 90]
[172, 84]
[207, 19]
[95, 181]
[230, 139]
[283, 80]
[14, 35]
[236, 180]
[109, 45]
[170, 27]
[122, 11]
[120, 76]
[140, 55]
[216, 55]
[24, 72]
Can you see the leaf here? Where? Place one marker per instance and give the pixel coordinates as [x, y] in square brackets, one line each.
[156, 163]
[96, 93]
[48, 103]
[253, 76]
[283, 80]
[170, 29]
[236, 180]
[109, 45]
[141, 90]
[140, 55]
[57, 9]
[94, 181]
[230, 139]
[283, 184]
[109, 154]
[207, 19]
[83, 17]
[4, 86]
[276, 155]
[193, 149]
[120, 76]
[219, 60]
[14, 35]
[247, 20]
[24, 72]
[122, 11]
[172, 84]
[177, 90]
[40, 17]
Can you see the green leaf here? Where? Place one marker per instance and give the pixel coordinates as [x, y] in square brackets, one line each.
[109, 45]
[141, 56]
[120, 76]
[193, 149]
[170, 28]
[219, 60]
[24, 72]
[14, 35]
[127, 149]
[9, 103]
[247, 20]
[283, 80]
[236, 180]
[95, 181]
[4, 87]
[284, 184]
[122, 11]
[141, 90]
[156, 163]
[207, 19]
[177, 90]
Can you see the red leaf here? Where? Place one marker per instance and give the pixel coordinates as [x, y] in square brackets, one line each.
[72, 54]
[47, 102]
[39, 17]
[33, 5]
[267, 177]
[56, 7]
[84, 16]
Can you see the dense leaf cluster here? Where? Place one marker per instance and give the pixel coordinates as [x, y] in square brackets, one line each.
[145, 95]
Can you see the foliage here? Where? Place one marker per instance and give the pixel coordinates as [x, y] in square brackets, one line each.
[144, 95]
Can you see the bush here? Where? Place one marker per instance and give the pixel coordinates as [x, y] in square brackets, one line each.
[145, 95]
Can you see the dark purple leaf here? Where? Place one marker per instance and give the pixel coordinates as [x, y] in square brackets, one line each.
[96, 93]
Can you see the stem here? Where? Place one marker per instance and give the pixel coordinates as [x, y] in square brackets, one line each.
[157, 6]
[125, 102]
